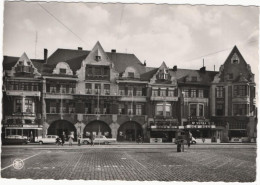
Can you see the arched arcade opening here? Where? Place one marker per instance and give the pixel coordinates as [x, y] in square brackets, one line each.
[60, 126]
[97, 127]
[129, 131]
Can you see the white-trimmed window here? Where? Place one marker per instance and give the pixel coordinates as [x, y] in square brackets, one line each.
[162, 92]
[138, 109]
[18, 105]
[220, 92]
[170, 93]
[159, 109]
[196, 109]
[155, 92]
[130, 91]
[52, 89]
[201, 93]
[130, 110]
[107, 89]
[186, 93]
[28, 105]
[138, 91]
[121, 108]
[193, 93]
[168, 109]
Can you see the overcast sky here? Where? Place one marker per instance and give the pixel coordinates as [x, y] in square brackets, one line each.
[178, 34]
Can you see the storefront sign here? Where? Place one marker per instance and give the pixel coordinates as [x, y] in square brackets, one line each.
[200, 126]
[13, 125]
[164, 127]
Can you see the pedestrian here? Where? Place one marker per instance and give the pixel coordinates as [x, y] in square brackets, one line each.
[182, 145]
[63, 138]
[79, 139]
[71, 137]
[203, 139]
[92, 137]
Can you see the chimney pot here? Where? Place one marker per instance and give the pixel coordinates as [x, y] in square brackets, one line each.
[79, 48]
[45, 55]
[113, 51]
[174, 68]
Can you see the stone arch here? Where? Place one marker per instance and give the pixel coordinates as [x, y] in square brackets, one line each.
[59, 126]
[129, 131]
[97, 126]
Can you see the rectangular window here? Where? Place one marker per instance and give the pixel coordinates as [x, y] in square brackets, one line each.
[130, 109]
[139, 109]
[121, 109]
[97, 88]
[239, 109]
[63, 88]
[201, 93]
[220, 109]
[121, 91]
[138, 91]
[193, 110]
[162, 92]
[220, 92]
[155, 92]
[159, 109]
[240, 90]
[168, 109]
[171, 93]
[71, 108]
[107, 89]
[18, 105]
[193, 93]
[88, 88]
[201, 110]
[52, 89]
[131, 75]
[28, 105]
[87, 108]
[130, 91]
[186, 93]
[52, 107]
[62, 71]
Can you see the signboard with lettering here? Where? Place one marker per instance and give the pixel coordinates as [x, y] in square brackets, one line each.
[200, 126]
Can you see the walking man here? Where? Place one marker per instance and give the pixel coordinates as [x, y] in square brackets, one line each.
[92, 137]
[63, 138]
[71, 137]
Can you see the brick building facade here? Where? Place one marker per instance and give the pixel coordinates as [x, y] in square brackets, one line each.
[115, 95]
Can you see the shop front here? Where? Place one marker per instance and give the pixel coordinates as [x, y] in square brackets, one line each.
[202, 130]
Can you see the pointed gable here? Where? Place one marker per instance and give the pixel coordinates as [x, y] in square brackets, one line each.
[163, 75]
[24, 66]
[234, 67]
[97, 56]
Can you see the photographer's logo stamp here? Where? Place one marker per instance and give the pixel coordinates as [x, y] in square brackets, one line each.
[18, 164]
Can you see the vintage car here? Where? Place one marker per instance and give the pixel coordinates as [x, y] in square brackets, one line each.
[49, 139]
[99, 140]
[14, 139]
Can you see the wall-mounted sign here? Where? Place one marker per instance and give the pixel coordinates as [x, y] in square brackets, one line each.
[200, 126]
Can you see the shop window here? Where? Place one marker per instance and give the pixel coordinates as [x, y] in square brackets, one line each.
[239, 109]
[220, 92]
[159, 109]
[193, 110]
[168, 109]
[18, 105]
[201, 110]
[220, 109]
[139, 109]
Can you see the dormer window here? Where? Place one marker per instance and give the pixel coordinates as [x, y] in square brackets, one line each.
[194, 79]
[62, 71]
[131, 74]
[163, 75]
[235, 59]
[28, 63]
[98, 58]
[20, 63]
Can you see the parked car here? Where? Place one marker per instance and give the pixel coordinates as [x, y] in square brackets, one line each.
[49, 139]
[99, 139]
[15, 140]
[193, 140]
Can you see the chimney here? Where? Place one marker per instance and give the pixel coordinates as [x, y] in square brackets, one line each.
[113, 51]
[45, 55]
[80, 48]
[145, 63]
[174, 68]
[203, 69]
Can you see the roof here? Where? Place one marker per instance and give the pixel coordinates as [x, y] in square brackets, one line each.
[74, 59]
[148, 75]
[10, 61]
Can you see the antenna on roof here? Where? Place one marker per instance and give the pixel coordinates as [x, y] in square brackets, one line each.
[214, 67]
[203, 62]
[36, 39]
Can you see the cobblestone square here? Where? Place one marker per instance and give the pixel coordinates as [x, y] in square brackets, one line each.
[130, 163]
